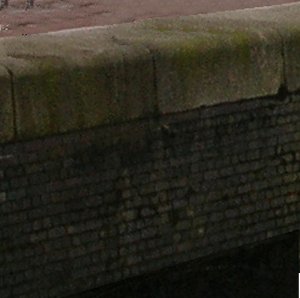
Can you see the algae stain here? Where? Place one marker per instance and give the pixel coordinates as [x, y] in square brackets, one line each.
[241, 40]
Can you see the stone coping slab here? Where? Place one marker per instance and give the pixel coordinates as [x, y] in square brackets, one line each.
[6, 110]
[71, 80]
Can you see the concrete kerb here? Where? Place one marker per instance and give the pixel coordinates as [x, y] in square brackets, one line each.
[78, 79]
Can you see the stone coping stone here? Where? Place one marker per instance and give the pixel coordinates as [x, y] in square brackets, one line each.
[78, 79]
[285, 19]
[63, 84]
[6, 109]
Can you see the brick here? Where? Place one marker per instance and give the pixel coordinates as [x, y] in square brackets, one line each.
[57, 232]
[16, 194]
[155, 206]
[18, 182]
[7, 160]
[3, 197]
[129, 215]
[146, 212]
[38, 237]
[183, 225]
[5, 293]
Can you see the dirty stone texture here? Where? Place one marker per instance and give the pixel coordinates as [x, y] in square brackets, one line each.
[74, 80]
[62, 84]
[285, 19]
[86, 209]
[6, 110]
[204, 62]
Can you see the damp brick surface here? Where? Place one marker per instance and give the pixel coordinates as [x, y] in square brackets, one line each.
[89, 208]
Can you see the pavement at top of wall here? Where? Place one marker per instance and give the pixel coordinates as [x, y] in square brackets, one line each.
[53, 15]
[69, 80]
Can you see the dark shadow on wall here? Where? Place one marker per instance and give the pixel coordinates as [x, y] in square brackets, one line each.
[268, 270]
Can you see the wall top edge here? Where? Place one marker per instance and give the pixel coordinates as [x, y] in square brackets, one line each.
[82, 78]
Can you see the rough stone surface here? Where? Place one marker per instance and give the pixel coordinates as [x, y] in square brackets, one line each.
[285, 19]
[200, 62]
[6, 107]
[86, 209]
[75, 80]
[63, 84]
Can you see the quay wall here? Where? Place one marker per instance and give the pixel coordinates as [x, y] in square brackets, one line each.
[130, 148]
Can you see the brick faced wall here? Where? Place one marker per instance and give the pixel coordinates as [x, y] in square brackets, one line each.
[268, 269]
[86, 209]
